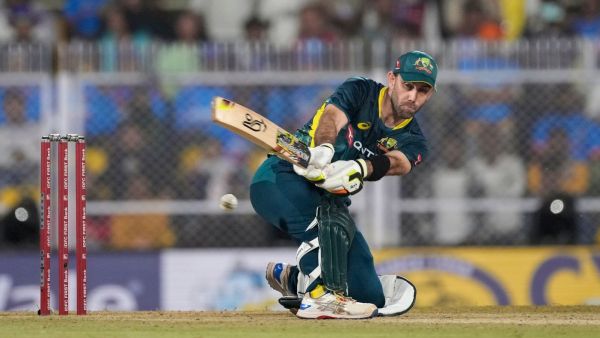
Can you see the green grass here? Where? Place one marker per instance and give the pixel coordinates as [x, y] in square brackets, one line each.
[480, 322]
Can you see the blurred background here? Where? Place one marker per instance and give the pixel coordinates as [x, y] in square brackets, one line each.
[505, 211]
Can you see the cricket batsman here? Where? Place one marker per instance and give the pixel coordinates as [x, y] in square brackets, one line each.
[363, 132]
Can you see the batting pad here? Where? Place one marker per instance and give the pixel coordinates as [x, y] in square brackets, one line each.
[400, 295]
[336, 232]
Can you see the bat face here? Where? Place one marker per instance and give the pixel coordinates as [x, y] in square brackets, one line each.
[259, 130]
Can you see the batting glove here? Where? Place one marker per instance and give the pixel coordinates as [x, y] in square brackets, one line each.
[321, 155]
[344, 177]
[310, 173]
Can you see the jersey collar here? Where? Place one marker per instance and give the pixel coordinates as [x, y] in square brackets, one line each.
[382, 93]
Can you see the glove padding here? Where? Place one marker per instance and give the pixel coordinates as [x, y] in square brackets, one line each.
[311, 173]
[344, 177]
[320, 157]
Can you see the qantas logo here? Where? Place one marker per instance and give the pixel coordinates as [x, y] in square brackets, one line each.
[363, 150]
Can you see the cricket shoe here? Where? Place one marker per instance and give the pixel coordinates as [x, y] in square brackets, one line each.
[323, 304]
[277, 276]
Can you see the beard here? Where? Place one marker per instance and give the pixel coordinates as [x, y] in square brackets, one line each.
[404, 111]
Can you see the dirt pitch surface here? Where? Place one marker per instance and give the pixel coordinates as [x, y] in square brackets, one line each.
[480, 322]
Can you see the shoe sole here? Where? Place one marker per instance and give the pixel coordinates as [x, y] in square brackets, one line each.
[323, 315]
[272, 282]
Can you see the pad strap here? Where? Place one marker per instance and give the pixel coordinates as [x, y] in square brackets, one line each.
[304, 281]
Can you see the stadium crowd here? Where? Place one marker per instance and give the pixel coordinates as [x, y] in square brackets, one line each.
[154, 141]
[283, 21]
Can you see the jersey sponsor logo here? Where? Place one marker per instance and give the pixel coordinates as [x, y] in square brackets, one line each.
[363, 150]
[424, 64]
[364, 125]
[387, 144]
[254, 124]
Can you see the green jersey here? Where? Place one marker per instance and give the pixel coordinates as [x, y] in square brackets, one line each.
[366, 135]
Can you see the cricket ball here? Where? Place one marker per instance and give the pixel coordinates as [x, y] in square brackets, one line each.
[228, 202]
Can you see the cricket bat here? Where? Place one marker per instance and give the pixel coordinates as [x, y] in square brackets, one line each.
[259, 130]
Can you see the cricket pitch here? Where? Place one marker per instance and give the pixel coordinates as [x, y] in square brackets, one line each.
[480, 322]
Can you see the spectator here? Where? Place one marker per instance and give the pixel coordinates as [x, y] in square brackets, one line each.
[346, 16]
[143, 17]
[134, 157]
[483, 19]
[315, 36]
[25, 24]
[256, 58]
[315, 25]
[378, 21]
[550, 20]
[561, 147]
[122, 49]
[141, 232]
[23, 28]
[587, 23]
[20, 155]
[409, 16]
[225, 27]
[102, 111]
[496, 173]
[479, 23]
[490, 99]
[256, 29]
[84, 18]
[183, 55]
[207, 175]
[29, 22]
[147, 107]
[556, 169]
[283, 17]
[450, 182]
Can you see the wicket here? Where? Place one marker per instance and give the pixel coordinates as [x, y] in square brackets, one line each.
[62, 216]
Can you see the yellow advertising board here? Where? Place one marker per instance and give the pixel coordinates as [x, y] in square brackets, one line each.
[497, 276]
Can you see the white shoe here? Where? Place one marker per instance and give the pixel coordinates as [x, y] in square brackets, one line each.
[323, 304]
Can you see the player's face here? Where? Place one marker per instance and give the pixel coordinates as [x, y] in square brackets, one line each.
[408, 97]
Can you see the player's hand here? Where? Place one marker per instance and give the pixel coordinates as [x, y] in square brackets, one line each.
[310, 173]
[321, 155]
[344, 177]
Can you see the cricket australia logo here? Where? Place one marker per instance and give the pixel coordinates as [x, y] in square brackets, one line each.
[387, 144]
[254, 124]
[424, 65]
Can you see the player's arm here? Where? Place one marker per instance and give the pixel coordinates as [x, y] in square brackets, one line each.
[330, 124]
[346, 177]
[399, 164]
[331, 121]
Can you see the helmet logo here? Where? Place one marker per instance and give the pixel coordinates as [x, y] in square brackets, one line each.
[424, 64]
